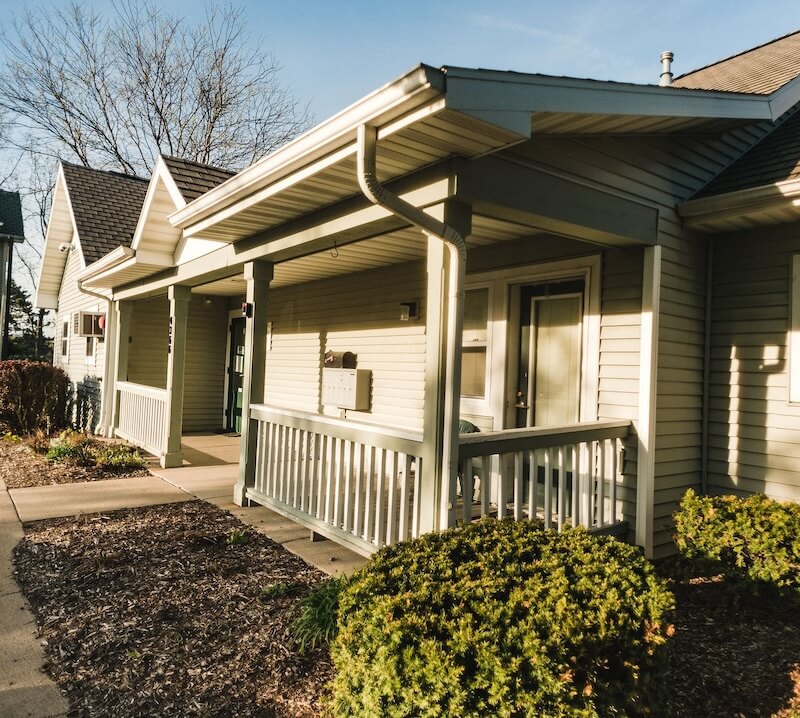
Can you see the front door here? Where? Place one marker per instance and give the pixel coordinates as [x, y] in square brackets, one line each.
[549, 382]
[235, 376]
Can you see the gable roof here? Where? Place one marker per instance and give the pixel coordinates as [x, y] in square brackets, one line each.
[193, 178]
[774, 159]
[760, 70]
[11, 216]
[105, 207]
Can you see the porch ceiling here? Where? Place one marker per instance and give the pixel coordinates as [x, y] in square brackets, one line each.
[402, 245]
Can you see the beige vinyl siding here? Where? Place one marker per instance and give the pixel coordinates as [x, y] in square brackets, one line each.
[659, 171]
[754, 432]
[204, 369]
[359, 313]
[206, 338]
[85, 373]
[147, 348]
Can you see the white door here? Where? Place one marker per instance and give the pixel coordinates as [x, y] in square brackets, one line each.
[549, 383]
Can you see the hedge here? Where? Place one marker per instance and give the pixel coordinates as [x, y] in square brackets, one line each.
[33, 396]
[502, 618]
[755, 537]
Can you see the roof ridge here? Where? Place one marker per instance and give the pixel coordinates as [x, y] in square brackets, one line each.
[114, 173]
[195, 162]
[735, 55]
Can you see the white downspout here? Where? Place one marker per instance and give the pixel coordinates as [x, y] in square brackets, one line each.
[105, 396]
[457, 249]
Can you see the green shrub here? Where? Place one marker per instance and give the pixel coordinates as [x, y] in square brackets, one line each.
[502, 618]
[754, 537]
[33, 396]
[316, 620]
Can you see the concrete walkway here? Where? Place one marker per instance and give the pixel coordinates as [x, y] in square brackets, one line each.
[25, 690]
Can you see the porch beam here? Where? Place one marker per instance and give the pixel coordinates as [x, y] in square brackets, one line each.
[179, 297]
[258, 275]
[351, 220]
[513, 189]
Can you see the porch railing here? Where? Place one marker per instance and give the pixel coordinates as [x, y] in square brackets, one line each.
[560, 474]
[355, 483]
[142, 415]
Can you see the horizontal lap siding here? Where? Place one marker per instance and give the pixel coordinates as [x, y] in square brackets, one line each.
[85, 373]
[204, 382]
[359, 313]
[754, 433]
[147, 348]
[660, 172]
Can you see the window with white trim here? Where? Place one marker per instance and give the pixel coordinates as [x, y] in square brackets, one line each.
[65, 339]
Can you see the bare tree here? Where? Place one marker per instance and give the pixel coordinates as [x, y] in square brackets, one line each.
[112, 92]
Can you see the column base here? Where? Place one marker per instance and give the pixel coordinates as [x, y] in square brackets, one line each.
[240, 495]
[173, 460]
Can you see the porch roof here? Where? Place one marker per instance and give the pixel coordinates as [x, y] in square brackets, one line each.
[427, 119]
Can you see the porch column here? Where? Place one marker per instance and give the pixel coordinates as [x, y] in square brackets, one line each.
[646, 422]
[119, 369]
[179, 297]
[258, 276]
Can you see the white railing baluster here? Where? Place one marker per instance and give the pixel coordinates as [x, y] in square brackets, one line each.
[518, 485]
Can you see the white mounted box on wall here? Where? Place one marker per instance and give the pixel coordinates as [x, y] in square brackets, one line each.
[346, 388]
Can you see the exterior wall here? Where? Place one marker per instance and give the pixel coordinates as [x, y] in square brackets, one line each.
[84, 370]
[754, 432]
[359, 313]
[661, 171]
[203, 400]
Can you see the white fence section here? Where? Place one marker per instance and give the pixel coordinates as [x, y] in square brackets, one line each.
[142, 415]
[559, 474]
[355, 483]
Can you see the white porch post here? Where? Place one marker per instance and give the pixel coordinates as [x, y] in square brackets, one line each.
[179, 297]
[258, 276]
[646, 422]
[119, 369]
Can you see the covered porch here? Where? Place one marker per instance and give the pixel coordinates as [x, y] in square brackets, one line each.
[395, 273]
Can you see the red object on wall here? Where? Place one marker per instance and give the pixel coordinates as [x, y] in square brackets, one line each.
[101, 321]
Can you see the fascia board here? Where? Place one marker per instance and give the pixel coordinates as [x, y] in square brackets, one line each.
[743, 202]
[161, 173]
[120, 254]
[413, 89]
[472, 91]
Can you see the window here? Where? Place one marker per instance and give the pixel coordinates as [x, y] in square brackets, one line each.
[87, 324]
[65, 339]
[475, 343]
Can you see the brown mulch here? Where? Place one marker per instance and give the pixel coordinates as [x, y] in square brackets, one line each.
[153, 612]
[21, 466]
[735, 653]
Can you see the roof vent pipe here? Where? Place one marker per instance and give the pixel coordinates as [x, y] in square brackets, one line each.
[666, 70]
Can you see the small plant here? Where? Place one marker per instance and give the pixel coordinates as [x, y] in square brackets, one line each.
[281, 589]
[237, 537]
[72, 446]
[117, 457]
[318, 612]
[754, 538]
[11, 438]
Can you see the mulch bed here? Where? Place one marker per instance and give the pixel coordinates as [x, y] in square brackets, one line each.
[735, 653]
[154, 612]
[21, 466]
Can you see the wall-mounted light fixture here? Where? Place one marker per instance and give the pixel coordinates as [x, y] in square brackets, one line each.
[408, 311]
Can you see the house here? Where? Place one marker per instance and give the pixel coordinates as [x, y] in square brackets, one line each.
[597, 275]
[12, 231]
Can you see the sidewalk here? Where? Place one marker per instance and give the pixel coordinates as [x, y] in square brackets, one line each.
[25, 690]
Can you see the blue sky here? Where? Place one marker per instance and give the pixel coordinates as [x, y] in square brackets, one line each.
[333, 53]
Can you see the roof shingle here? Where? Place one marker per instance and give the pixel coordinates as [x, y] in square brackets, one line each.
[760, 70]
[11, 215]
[106, 207]
[194, 178]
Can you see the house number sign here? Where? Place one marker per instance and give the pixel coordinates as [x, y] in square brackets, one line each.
[169, 337]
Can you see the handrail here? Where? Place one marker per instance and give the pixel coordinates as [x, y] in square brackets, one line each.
[527, 439]
[153, 392]
[406, 442]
